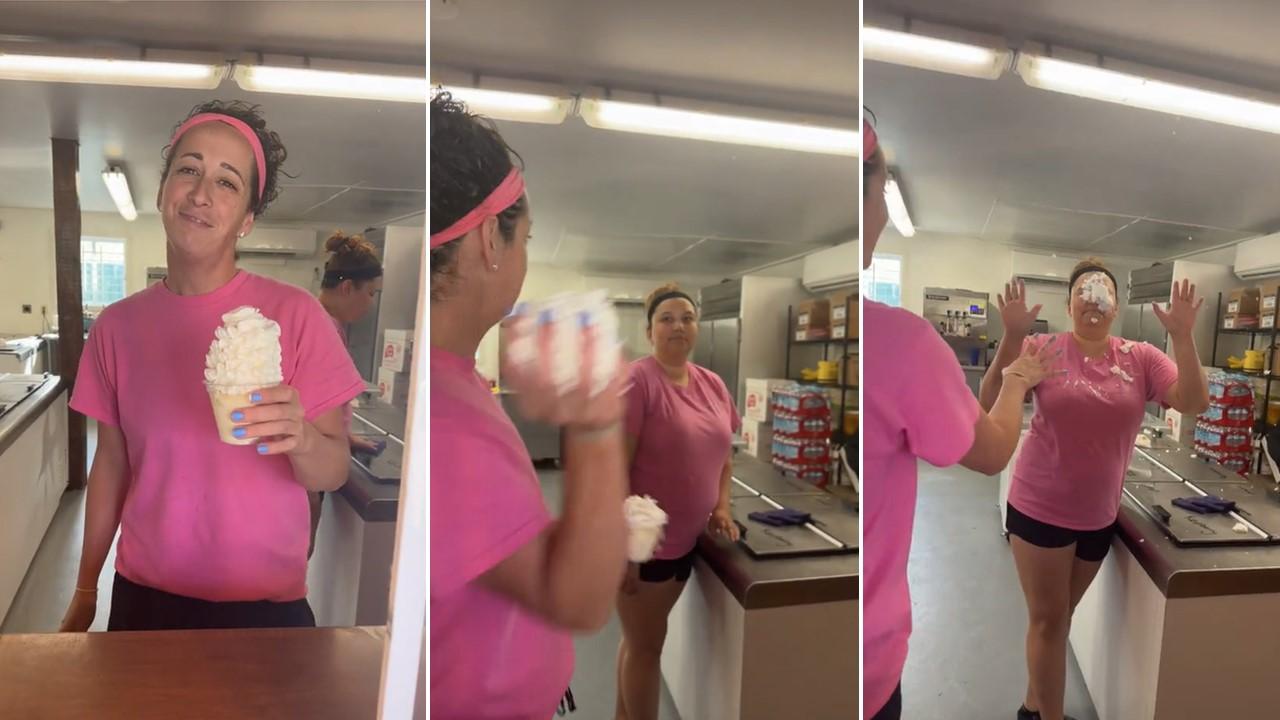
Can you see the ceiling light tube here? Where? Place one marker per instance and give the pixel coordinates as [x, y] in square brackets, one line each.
[118, 187]
[930, 53]
[898, 208]
[331, 83]
[513, 106]
[1098, 83]
[102, 71]
[693, 125]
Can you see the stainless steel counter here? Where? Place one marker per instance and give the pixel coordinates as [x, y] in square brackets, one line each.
[18, 418]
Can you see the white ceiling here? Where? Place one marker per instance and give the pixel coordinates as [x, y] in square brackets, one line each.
[356, 162]
[1005, 162]
[609, 202]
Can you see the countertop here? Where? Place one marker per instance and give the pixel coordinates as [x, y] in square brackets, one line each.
[778, 582]
[1185, 572]
[313, 673]
[19, 418]
[375, 501]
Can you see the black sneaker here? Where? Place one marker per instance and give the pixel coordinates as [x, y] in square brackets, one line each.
[1025, 714]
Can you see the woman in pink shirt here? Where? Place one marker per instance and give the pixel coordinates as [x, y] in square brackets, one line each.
[1069, 475]
[680, 424]
[351, 284]
[918, 407]
[211, 534]
[508, 583]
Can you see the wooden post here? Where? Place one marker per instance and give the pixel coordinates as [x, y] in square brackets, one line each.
[66, 234]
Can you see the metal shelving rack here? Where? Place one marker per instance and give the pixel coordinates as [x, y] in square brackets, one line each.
[1260, 427]
[845, 345]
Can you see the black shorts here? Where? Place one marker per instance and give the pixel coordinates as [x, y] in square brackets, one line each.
[663, 570]
[1091, 545]
[138, 607]
[892, 710]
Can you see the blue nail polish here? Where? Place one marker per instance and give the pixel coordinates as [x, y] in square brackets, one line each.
[237, 416]
[546, 317]
[239, 432]
[256, 397]
[262, 449]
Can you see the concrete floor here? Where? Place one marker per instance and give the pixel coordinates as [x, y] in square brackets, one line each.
[967, 648]
[595, 656]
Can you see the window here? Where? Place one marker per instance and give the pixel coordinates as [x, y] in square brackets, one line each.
[882, 282]
[101, 270]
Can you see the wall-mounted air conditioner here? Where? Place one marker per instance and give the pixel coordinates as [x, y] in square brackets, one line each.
[1258, 257]
[1045, 268]
[832, 268]
[279, 241]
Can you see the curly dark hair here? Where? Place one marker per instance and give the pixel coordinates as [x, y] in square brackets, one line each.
[469, 159]
[272, 148]
[352, 258]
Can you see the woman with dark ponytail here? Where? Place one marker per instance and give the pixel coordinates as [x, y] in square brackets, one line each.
[508, 582]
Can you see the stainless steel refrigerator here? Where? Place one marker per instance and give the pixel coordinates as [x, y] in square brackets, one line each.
[396, 308]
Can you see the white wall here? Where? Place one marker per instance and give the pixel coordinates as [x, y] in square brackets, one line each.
[27, 274]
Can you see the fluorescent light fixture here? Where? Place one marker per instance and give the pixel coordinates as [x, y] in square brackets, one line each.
[692, 125]
[98, 71]
[1141, 92]
[513, 106]
[329, 83]
[898, 208]
[118, 186]
[929, 53]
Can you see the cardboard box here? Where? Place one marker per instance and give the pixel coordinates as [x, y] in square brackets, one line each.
[840, 308]
[759, 437]
[393, 387]
[1239, 322]
[850, 374]
[1275, 360]
[1268, 301]
[397, 350]
[1244, 301]
[814, 314]
[1267, 321]
[805, 334]
[757, 400]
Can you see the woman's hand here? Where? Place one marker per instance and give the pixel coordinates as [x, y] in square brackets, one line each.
[276, 421]
[1034, 365]
[80, 613]
[1180, 316]
[539, 399]
[1015, 316]
[721, 523]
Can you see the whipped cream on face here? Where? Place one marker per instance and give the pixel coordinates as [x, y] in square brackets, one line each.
[1096, 290]
[566, 315]
[245, 354]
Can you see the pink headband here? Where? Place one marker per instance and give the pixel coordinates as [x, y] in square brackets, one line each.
[242, 128]
[869, 141]
[502, 197]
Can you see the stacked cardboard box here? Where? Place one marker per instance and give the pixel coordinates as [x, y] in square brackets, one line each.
[1269, 303]
[397, 360]
[813, 320]
[844, 316]
[1243, 305]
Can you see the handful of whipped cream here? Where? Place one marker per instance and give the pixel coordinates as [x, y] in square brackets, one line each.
[244, 357]
[566, 317]
[645, 521]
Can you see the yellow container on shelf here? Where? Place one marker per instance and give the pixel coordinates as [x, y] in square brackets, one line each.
[851, 421]
[1254, 360]
[1273, 412]
[828, 371]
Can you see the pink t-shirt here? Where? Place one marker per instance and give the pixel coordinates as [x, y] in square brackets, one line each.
[490, 658]
[684, 435]
[203, 518]
[1070, 471]
[918, 408]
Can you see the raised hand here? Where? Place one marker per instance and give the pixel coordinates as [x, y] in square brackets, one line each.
[1036, 364]
[1179, 316]
[1015, 316]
